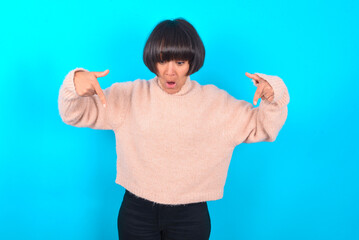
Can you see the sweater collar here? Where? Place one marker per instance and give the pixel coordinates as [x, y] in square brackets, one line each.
[184, 90]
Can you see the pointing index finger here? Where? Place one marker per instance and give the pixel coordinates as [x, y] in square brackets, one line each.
[100, 93]
[258, 94]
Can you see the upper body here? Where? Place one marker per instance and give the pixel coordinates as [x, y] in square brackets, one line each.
[175, 148]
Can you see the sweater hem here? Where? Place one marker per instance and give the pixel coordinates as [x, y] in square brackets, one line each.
[163, 198]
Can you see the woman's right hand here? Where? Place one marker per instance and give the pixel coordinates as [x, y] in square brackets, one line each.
[86, 84]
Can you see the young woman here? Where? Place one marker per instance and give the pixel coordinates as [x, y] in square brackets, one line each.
[174, 137]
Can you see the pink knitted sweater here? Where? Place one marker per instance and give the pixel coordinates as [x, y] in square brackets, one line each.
[175, 148]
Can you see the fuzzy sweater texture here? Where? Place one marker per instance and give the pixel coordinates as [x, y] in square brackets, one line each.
[175, 148]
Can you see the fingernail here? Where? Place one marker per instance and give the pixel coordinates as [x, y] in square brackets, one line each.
[255, 103]
[104, 105]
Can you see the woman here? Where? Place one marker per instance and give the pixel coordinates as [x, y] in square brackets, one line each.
[174, 137]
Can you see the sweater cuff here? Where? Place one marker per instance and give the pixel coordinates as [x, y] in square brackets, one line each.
[281, 95]
[69, 81]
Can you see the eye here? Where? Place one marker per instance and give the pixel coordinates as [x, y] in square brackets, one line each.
[162, 62]
[180, 62]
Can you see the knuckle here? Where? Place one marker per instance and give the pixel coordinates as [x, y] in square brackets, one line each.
[89, 89]
[82, 91]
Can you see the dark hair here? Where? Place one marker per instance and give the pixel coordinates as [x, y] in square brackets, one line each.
[174, 40]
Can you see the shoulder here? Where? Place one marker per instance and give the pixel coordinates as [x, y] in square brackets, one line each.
[212, 91]
[136, 90]
[218, 97]
[129, 86]
[210, 88]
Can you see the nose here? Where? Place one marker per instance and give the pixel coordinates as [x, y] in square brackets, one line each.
[170, 68]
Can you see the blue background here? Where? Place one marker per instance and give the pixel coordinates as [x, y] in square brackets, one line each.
[58, 181]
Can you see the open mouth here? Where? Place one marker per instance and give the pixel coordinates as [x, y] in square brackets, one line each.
[170, 84]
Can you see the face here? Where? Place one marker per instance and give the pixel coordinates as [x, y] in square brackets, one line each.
[172, 75]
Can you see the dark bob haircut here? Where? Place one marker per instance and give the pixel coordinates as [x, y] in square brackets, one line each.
[174, 40]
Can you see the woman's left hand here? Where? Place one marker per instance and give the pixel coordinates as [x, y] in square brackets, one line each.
[264, 89]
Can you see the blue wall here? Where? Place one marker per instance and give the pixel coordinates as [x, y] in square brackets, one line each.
[57, 181]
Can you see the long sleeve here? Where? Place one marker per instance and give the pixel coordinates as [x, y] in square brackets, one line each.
[248, 124]
[88, 111]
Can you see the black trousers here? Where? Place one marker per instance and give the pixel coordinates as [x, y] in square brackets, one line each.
[140, 219]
